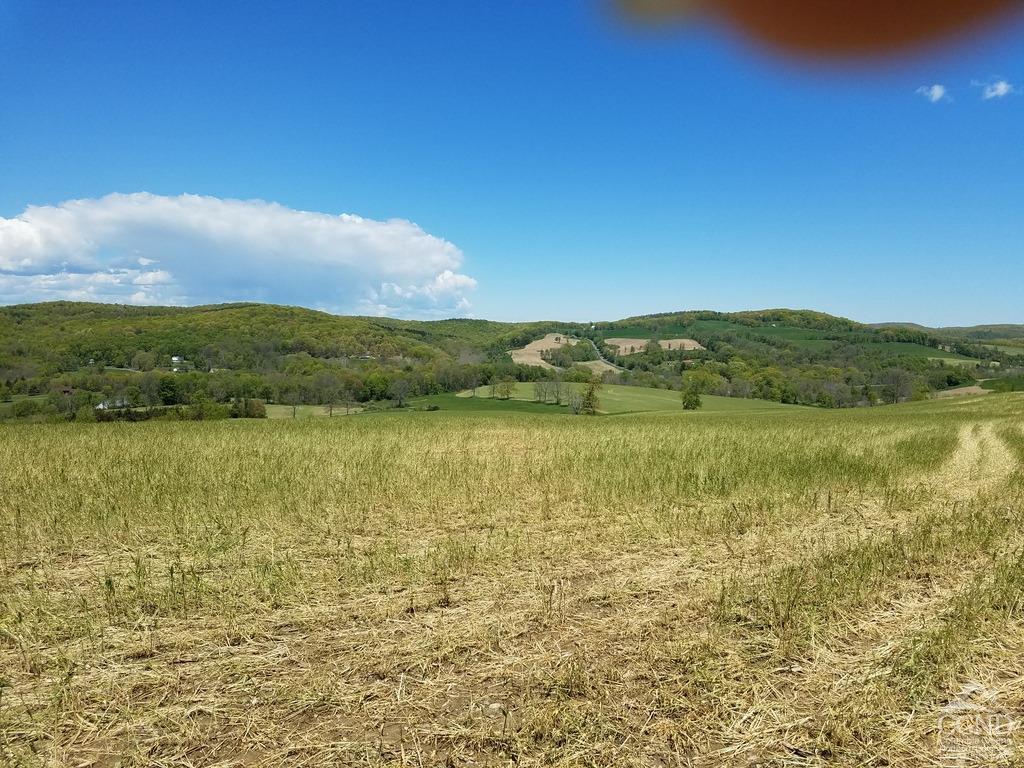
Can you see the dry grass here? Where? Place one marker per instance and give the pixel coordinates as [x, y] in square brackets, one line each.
[974, 389]
[806, 588]
[599, 366]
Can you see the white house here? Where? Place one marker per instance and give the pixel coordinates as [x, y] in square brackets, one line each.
[118, 402]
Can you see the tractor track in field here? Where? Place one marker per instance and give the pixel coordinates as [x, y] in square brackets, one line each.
[980, 465]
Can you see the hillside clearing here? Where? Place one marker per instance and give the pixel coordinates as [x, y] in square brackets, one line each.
[635, 346]
[531, 353]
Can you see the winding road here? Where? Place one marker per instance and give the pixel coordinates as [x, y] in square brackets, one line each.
[603, 358]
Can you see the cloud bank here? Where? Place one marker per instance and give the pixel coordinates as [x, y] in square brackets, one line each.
[150, 249]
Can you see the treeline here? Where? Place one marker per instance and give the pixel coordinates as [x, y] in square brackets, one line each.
[826, 327]
[735, 365]
[303, 380]
[825, 386]
[84, 406]
[799, 318]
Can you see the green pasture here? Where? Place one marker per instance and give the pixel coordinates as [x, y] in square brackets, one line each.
[304, 411]
[614, 399]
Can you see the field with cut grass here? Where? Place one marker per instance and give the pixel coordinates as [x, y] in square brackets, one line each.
[276, 411]
[531, 353]
[507, 586]
[631, 346]
[616, 398]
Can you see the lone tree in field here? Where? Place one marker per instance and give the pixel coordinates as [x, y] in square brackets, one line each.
[560, 390]
[575, 402]
[346, 396]
[327, 386]
[291, 397]
[691, 397]
[694, 385]
[505, 388]
[399, 391]
[549, 391]
[589, 403]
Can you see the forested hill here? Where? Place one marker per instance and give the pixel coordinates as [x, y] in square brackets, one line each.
[48, 338]
[63, 336]
[995, 332]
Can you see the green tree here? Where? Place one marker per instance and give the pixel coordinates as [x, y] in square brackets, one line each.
[589, 402]
[691, 399]
[505, 388]
[169, 390]
[693, 386]
[655, 354]
[144, 361]
[149, 384]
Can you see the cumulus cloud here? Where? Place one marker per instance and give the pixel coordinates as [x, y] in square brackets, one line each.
[934, 93]
[146, 249]
[996, 89]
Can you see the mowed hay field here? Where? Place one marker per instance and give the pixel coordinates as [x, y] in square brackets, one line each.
[619, 399]
[795, 587]
[636, 346]
[531, 353]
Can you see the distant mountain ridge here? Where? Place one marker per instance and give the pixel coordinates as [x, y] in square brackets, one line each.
[994, 332]
[51, 337]
[75, 355]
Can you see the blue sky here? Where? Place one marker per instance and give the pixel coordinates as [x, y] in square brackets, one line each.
[516, 160]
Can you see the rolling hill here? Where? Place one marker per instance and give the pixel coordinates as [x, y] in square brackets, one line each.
[973, 332]
[298, 355]
[63, 336]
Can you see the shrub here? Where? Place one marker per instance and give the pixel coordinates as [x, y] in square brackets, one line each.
[23, 408]
[248, 408]
[85, 413]
[206, 410]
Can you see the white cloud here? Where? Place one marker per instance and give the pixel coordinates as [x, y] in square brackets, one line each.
[934, 93]
[996, 90]
[144, 248]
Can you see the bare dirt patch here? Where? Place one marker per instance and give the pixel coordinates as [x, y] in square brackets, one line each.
[530, 354]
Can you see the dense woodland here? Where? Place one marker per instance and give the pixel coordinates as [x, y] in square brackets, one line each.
[61, 360]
